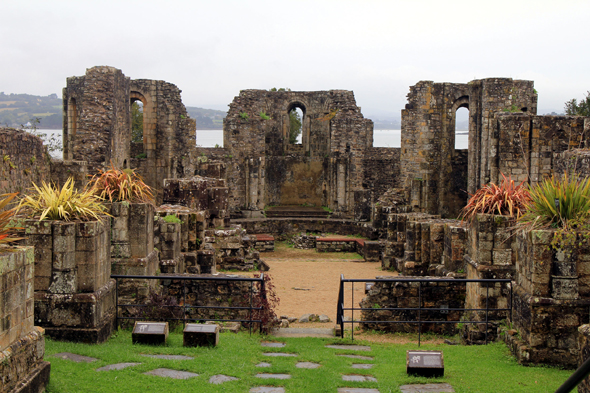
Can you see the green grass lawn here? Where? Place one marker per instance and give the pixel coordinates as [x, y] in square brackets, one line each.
[467, 368]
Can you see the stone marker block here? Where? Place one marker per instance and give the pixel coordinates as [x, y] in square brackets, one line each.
[425, 363]
[150, 333]
[195, 335]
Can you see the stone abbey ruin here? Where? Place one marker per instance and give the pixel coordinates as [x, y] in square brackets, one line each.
[405, 201]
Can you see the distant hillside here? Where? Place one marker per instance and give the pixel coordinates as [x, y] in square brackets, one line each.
[207, 119]
[18, 109]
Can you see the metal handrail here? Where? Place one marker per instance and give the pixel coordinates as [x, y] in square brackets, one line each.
[185, 307]
[575, 379]
[340, 307]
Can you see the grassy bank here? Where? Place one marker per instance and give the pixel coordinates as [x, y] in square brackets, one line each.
[467, 368]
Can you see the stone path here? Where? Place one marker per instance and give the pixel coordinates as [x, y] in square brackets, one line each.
[304, 332]
[220, 378]
[117, 366]
[75, 358]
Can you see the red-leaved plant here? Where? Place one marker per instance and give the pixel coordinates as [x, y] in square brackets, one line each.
[507, 199]
[267, 300]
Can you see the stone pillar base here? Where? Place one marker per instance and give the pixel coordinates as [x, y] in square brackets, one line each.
[81, 317]
[22, 369]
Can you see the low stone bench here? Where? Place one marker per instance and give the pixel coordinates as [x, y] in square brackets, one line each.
[264, 243]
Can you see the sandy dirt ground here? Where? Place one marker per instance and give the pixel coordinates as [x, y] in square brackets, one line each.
[308, 282]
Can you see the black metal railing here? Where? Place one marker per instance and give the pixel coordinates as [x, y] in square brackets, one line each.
[419, 321]
[186, 307]
[576, 378]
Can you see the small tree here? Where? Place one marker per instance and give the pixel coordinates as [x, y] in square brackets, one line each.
[294, 126]
[573, 108]
[136, 122]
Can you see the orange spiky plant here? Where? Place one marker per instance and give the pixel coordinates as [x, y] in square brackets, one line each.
[506, 199]
[7, 228]
[121, 185]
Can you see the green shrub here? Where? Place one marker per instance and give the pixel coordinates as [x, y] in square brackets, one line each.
[558, 202]
[172, 218]
[67, 203]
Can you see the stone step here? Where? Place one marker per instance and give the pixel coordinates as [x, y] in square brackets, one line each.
[296, 211]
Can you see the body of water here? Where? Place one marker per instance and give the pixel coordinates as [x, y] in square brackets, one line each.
[381, 138]
[211, 138]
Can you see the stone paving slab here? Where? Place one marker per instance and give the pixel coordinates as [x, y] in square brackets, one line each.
[304, 332]
[358, 378]
[428, 388]
[272, 344]
[279, 354]
[363, 366]
[307, 365]
[355, 356]
[116, 366]
[263, 364]
[169, 357]
[267, 389]
[220, 378]
[357, 390]
[273, 376]
[75, 357]
[350, 347]
[169, 373]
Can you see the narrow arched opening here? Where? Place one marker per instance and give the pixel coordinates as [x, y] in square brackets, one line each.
[137, 125]
[462, 127]
[296, 116]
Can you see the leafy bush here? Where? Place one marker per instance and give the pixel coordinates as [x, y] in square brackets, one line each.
[264, 116]
[121, 185]
[268, 300]
[172, 218]
[7, 228]
[244, 116]
[558, 203]
[505, 199]
[67, 203]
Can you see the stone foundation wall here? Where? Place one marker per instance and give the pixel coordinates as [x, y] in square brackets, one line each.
[22, 345]
[547, 329]
[434, 294]
[23, 161]
[17, 271]
[74, 295]
[211, 293]
[583, 355]
[284, 228]
[336, 245]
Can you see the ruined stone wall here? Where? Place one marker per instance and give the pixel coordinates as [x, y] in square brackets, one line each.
[530, 145]
[573, 161]
[22, 345]
[428, 133]
[97, 126]
[265, 168]
[97, 118]
[381, 170]
[23, 161]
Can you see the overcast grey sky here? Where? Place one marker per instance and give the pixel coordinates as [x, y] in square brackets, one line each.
[213, 49]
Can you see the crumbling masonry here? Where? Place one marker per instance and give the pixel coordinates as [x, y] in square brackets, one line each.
[404, 199]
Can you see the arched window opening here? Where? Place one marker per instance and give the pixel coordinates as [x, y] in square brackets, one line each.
[136, 121]
[462, 128]
[296, 125]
